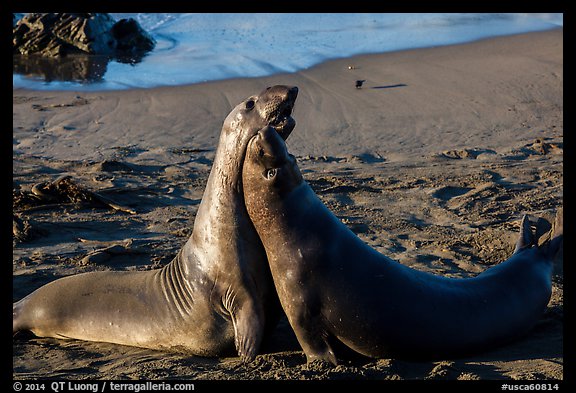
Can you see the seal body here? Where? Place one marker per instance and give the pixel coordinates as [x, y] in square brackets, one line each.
[216, 294]
[338, 292]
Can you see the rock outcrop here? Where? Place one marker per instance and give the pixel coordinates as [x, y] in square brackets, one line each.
[62, 34]
[75, 47]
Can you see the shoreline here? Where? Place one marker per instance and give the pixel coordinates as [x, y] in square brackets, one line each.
[329, 60]
[119, 77]
[432, 163]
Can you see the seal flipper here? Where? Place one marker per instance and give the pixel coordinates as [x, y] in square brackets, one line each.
[551, 243]
[555, 245]
[313, 339]
[248, 332]
[526, 238]
[318, 350]
[247, 341]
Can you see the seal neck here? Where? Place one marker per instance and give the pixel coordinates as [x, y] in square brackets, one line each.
[225, 179]
[223, 197]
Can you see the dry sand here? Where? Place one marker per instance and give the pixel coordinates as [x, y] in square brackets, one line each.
[432, 162]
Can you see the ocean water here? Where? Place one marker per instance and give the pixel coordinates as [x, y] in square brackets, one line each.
[193, 48]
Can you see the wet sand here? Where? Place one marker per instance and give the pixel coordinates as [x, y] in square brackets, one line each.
[432, 162]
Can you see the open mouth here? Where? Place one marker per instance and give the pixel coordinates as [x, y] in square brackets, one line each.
[276, 107]
[281, 119]
[281, 116]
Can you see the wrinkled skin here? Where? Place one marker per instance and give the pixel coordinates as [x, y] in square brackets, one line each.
[216, 295]
[339, 293]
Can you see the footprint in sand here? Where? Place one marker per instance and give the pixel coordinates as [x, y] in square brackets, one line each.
[448, 192]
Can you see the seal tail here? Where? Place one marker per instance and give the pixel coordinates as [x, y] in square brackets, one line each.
[17, 324]
[21, 317]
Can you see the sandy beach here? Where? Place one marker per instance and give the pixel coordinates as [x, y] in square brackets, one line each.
[432, 162]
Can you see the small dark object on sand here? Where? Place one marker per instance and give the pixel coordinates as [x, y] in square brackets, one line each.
[359, 84]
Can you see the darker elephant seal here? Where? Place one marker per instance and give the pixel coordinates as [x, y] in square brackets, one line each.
[338, 292]
[216, 294]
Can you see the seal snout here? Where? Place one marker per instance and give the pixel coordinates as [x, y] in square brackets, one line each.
[288, 93]
[292, 94]
[271, 147]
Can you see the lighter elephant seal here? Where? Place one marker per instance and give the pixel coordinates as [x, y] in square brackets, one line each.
[216, 294]
[340, 294]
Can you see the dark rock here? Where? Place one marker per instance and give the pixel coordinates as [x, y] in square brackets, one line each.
[62, 34]
[131, 38]
[75, 46]
[57, 35]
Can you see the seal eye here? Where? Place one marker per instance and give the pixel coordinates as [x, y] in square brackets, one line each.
[250, 104]
[270, 174]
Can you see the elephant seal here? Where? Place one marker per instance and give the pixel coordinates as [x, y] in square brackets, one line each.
[216, 294]
[339, 293]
